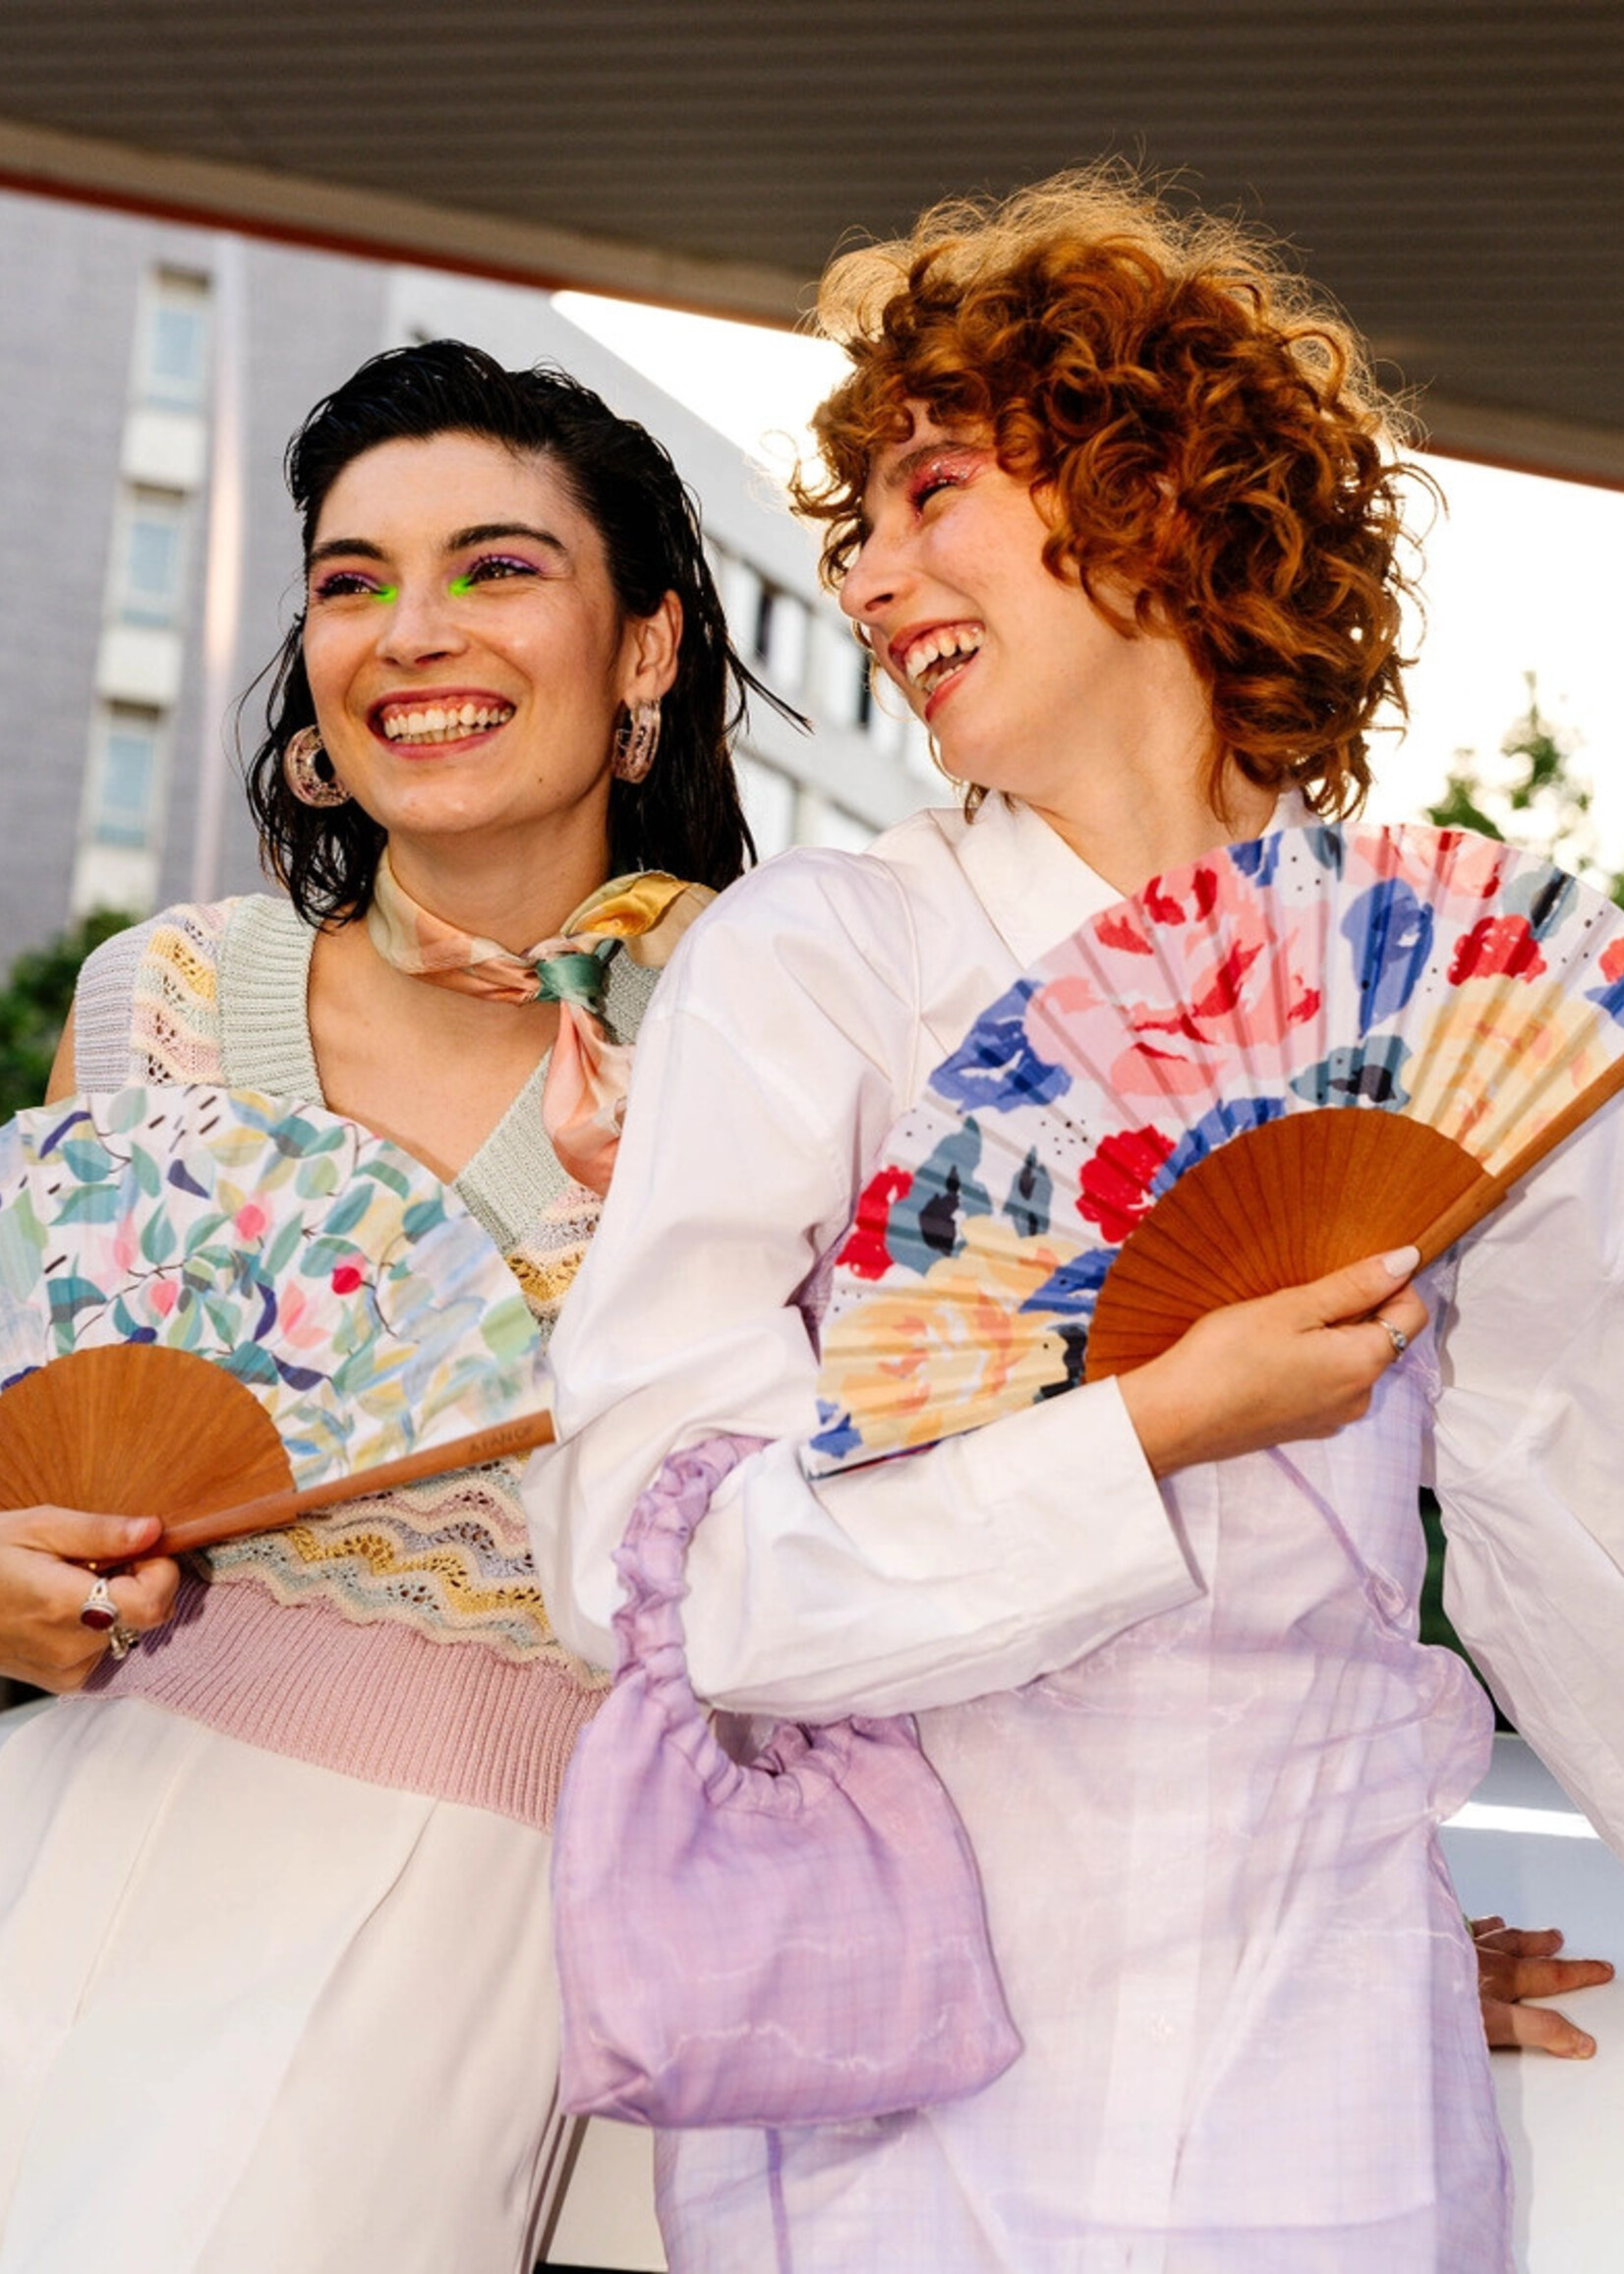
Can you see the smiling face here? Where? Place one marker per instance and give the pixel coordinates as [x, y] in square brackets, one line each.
[1014, 668]
[467, 656]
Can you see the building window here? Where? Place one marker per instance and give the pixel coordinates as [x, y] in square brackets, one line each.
[172, 363]
[768, 800]
[781, 639]
[124, 774]
[839, 674]
[761, 637]
[741, 593]
[150, 565]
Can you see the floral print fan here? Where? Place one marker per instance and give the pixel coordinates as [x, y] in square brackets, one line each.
[1300, 1050]
[225, 1310]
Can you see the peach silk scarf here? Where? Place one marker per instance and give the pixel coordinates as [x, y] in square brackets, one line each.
[584, 1093]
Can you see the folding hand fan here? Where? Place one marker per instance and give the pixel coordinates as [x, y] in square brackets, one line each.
[225, 1310]
[1302, 1050]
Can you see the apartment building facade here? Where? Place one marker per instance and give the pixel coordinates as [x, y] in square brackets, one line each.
[150, 374]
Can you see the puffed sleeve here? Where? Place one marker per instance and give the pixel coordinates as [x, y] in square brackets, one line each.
[772, 1064]
[1529, 1455]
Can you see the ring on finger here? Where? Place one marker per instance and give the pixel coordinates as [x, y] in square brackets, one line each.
[121, 1639]
[99, 1611]
[1395, 1335]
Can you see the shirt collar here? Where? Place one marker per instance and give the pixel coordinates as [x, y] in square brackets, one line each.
[1035, 889]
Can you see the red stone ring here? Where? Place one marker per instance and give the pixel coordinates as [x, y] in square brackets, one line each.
[99, 1610]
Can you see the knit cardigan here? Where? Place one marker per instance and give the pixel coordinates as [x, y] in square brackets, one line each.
[402, 1638]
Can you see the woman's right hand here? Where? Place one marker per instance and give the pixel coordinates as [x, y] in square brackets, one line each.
[44, 1584]
[1300, 1364]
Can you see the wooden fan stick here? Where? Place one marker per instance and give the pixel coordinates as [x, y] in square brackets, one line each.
[272, 1510]
[147, 1431]
[1296, 1197]
[1484, 1199]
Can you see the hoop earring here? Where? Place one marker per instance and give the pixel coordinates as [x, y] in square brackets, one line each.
[971, 795]
[308, 770]
[636, 740]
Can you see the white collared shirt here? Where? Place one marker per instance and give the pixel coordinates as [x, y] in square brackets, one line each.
[801, 1016]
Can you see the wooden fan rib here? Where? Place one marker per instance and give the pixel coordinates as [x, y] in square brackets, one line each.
[1184, 1256]
[1384, 1175]
[1472, 1206]
[270, 1513]
[136, 1429]
[141, 1430]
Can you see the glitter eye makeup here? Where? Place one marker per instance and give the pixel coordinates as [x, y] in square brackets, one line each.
[491, 569]
[942, 470]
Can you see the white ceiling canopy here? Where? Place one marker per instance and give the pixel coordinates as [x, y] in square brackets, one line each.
[1453, 170]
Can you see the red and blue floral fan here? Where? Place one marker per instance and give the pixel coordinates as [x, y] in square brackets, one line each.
[1300, 1050]
[224, 1309]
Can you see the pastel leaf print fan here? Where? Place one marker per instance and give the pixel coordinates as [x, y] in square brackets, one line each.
[1311, 1047]
[224, 1309]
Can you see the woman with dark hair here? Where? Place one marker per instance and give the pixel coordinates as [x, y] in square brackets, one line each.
[1112, 501]
[276, 1977]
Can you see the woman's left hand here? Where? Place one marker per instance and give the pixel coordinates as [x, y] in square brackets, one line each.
[1516, 1962]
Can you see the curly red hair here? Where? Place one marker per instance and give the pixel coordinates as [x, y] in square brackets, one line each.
[1208, 438]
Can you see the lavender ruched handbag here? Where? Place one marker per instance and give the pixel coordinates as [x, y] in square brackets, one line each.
[796, 1940]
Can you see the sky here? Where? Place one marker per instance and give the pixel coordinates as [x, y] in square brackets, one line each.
[1523, 575]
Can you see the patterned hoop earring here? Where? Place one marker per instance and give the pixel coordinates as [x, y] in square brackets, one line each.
[308, 770]
[635, 742]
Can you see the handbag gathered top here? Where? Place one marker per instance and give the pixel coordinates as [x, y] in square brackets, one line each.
[795, 1939]
[652, 1560]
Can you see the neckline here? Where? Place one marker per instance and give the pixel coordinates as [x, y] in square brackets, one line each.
[266, 1044]
[1034, 888]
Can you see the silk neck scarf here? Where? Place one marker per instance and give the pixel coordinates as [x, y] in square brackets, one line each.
[584, 1093]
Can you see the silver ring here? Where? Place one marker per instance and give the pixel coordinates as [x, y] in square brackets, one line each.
[99, 1611]
[121, 1639]
[1395, 1335]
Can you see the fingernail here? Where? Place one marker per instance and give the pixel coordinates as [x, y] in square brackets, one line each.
[1399, 1262]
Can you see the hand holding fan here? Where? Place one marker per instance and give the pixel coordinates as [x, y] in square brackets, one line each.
[1298, 1051]
[226, 1310]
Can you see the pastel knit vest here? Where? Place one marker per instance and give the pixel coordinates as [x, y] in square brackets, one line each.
[401, 1639]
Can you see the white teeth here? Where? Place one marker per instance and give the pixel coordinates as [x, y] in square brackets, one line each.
[952, 644]
[444, 723]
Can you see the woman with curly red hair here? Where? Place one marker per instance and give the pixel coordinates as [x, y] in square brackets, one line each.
[1112, 504]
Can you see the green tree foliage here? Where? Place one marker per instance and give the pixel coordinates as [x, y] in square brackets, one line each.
[1533, 795]
[33, 1007]
[1436, 1627]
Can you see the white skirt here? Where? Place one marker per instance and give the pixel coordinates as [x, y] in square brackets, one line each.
[258, 2017]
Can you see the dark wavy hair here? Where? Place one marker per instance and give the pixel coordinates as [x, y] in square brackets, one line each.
[1206, 435]
[685, 816]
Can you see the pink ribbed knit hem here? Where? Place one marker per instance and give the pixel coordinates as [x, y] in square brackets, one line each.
[381, 1703]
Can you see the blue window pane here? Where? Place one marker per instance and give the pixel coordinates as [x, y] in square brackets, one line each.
[176, 342]
[151, 571]
[129, 759]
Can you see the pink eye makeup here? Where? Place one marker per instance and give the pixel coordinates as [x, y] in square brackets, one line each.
[491, 569]
[349, 584]
[946, 469]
